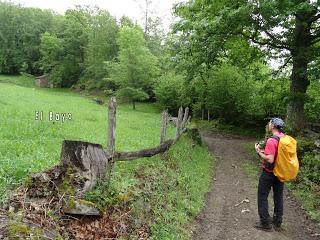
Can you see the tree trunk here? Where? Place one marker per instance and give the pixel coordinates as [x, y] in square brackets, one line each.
[133, 105]
[299, 80]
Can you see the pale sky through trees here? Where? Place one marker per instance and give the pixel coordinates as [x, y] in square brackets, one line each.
[131, 8]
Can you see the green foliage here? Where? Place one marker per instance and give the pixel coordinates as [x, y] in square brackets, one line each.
[210, 33]
[136, 68]
[227, 97]
[272, 97]
[103, 196]
[102, 46]
[51, 50]
[169, 91]
[21, 29]
[310, 168]
[313, 102]
[226, 93]
[74, 32]
[128, 94]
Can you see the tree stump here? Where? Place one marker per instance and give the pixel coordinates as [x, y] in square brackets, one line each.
[82, 164]
[89, 158]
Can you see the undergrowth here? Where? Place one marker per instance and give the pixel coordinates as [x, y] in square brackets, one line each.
[165, 192]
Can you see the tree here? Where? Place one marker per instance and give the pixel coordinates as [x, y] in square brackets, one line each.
[136, 70]
[287, 29]
[74, 33]
[21, 29]
[132, 95]
[51, 50]
[63, 52]
[102, 46]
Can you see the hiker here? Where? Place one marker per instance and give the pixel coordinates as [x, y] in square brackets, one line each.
[268, 180]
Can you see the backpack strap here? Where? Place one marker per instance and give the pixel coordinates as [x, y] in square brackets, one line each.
[275, 137]
[269, 166]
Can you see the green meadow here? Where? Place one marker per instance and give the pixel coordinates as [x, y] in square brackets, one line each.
[29, 145]
[176, 187]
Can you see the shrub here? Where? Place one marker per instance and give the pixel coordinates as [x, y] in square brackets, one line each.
[229, 93]
[169, 91]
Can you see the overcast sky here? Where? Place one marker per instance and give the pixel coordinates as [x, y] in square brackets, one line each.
[118, 8]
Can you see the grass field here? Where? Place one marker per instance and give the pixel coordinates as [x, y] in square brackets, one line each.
[30, 145]
[176, 188]
[25, 80]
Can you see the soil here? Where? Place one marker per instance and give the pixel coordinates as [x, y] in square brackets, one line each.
[231, 206]
[3, 223]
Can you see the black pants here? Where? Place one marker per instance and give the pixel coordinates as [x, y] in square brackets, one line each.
[266, 182]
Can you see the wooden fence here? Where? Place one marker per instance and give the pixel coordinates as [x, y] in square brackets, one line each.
[181, 122]
[89, 162]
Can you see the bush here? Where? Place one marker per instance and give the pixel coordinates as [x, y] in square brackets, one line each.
[313, 103]
[229, 94]
[310, 168]
[169, 91]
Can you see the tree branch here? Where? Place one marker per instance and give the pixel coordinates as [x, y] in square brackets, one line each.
[314, 18]
[266, 43]
[276, 40]
[272, 42]
[283, 65]
[315, 37]
[163, 147]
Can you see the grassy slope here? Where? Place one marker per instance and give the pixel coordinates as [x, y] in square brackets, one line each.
[176, 186]
[22, 80]
[33, 145]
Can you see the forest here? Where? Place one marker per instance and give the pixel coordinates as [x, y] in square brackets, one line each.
[234, 64]
[203, 62]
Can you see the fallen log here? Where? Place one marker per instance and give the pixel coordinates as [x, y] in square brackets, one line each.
[149, 152]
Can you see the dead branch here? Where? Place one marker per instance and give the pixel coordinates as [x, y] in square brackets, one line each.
[123, 156]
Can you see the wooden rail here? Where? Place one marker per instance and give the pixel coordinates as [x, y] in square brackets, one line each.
[181, 124]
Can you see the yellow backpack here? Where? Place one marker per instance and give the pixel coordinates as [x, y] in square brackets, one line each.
[286, 165]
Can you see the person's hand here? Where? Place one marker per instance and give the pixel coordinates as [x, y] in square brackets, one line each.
[256, 146]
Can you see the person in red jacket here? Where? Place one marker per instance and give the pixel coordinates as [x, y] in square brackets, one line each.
[268, 180]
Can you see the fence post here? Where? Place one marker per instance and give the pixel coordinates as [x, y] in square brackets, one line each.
[164, 122]
[185, 117]
[111, 133]
[179, 122]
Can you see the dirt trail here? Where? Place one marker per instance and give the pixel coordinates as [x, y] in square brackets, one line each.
[222, 217]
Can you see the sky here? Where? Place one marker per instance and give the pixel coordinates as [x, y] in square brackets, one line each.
[131, 8]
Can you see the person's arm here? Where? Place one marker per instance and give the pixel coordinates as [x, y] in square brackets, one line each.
[268, 157]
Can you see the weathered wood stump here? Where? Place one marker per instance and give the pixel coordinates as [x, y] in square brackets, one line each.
[89, 158]
[82, 164]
